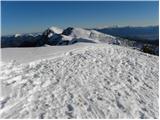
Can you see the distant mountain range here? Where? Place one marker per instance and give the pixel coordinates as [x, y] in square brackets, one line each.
[57, 36]
[133, 33]
[145, 39]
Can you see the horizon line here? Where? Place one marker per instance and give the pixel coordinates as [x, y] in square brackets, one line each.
[98, 27]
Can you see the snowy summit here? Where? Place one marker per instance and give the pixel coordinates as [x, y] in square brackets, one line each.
[56, 30]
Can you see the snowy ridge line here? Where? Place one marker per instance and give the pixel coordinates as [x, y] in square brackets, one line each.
[99, 81]
[78, 50]
[42, 60]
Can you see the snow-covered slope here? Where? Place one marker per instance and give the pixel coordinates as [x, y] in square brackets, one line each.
[55, 36]
[52, 31]
[26, 55]
[92, 35]
[98, 81]
[56, 30]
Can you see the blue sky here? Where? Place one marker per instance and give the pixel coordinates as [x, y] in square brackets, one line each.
[24, 17]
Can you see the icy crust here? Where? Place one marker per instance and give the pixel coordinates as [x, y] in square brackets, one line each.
[95, 82]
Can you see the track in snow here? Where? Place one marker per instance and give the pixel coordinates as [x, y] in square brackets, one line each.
[99, 81]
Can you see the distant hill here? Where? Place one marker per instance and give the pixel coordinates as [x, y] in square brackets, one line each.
[133, 33]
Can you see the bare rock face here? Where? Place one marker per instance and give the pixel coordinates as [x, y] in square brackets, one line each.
[52, 36]
[67, 31]
[54, 39]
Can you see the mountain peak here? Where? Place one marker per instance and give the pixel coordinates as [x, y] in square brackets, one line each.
[56, 30]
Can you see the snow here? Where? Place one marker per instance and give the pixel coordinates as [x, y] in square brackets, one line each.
[89, 34]
[64, 37]
[17, 35]
[26, 55]
[57, 36]
[93, 81]
[50, 35]
[80, 32]
[77, 35]
[56, 30]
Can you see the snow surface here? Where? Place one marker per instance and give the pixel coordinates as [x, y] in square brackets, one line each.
[17, 35]
[26, 55]
[56, 30]
[89, 34]
[93, 81]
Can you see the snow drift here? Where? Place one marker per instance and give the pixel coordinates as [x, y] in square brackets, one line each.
[98, 81]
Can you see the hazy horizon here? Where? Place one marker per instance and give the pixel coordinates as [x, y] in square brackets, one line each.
[31, 16]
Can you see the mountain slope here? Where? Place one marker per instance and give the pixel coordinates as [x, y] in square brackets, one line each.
[57, 36]
[73, 35]
[98, 81]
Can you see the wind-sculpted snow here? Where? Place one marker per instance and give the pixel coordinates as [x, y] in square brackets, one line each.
[98, 81]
